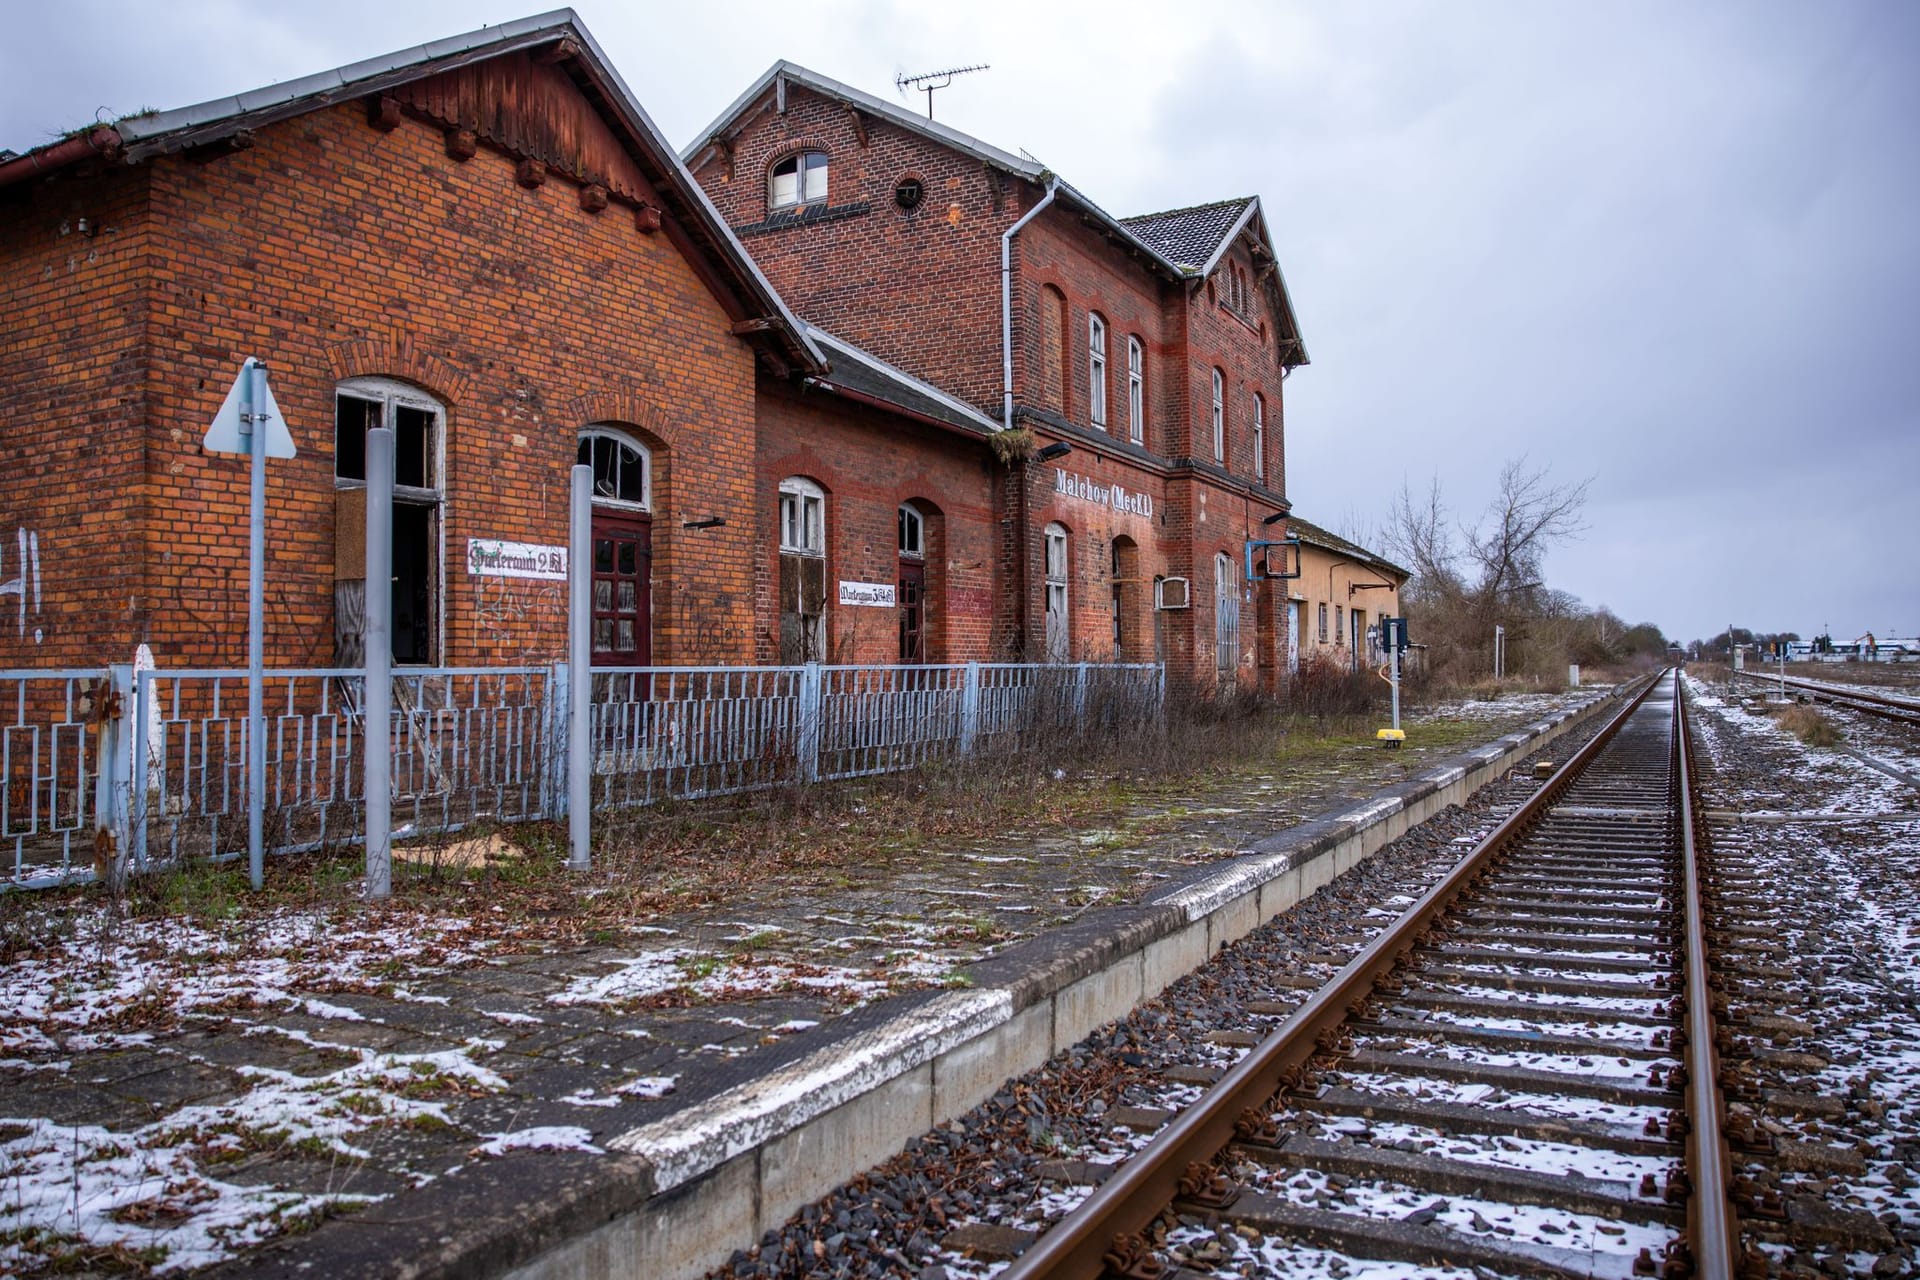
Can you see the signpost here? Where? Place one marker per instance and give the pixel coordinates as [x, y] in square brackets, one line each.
[1393, 634]
[249, 422]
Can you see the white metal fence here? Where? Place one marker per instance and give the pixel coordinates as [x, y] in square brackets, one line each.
[154, 763]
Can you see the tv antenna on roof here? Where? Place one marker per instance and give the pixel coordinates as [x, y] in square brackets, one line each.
[926, 82]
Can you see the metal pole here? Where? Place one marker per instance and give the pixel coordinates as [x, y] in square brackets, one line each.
[1393, 656]
[377, 661]
[579, 669]
[252, 418]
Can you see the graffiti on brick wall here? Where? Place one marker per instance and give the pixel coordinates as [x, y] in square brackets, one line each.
[26, 582]
[509, 613]
[706, 627]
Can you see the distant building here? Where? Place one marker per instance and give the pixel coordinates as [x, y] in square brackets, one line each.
[1342, 593]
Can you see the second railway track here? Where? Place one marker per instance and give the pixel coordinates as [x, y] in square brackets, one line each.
[1519, 1076]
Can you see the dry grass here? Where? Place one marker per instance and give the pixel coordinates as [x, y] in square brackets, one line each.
[512, 883]
[1809, 725]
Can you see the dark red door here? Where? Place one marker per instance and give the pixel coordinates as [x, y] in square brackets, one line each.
[622, 603]
[913, 611]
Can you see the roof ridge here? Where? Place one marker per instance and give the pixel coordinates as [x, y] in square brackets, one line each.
[1191, 208]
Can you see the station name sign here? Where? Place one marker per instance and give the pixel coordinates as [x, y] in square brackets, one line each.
[1107, 495]
[492, 558]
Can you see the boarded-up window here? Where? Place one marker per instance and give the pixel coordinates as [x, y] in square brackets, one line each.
[1059, 630]
[803, 571]
[1053, 346]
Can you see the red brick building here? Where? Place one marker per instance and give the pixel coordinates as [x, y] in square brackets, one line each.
[485, 244]
[1153, 348]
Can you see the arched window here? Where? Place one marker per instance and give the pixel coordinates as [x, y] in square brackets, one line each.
[1052, 392]
[1259, 436]
[1096, 370]
[1059, 628]
[417, 421]
[913, 535]
[803, 517]
[911, 591]
[622, 469]
[1219, 416]
[1226, 616]
[1136, 391]
[799, 180]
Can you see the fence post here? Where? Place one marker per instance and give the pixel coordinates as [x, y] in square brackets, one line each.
[1080, 696]
[553, 729]
[110, 772]
[970, 709]
[808, 747]
[139, 801]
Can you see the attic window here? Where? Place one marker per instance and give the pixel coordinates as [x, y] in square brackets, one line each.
[799, 180]
[908, 193]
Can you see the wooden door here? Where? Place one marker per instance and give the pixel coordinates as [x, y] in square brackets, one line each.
[622, 595]
[913, 611]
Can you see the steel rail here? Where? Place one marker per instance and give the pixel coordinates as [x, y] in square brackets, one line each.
[1900, 710]
[1075, 1248]
[1713, 1229]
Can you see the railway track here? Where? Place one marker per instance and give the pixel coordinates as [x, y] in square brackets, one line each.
[1519, 1076]
[1900, 710]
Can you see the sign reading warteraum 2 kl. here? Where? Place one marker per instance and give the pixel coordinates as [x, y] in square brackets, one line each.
[874, 595]
[492, 558]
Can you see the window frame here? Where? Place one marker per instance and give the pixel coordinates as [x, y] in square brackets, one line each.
[809, 502]
[1323, 622]
[910, 518]
[801, 162]
[595, 432]
[392, 393]
[1136, 390]
[1056, 565]
[1219, 416]
[1097, 369]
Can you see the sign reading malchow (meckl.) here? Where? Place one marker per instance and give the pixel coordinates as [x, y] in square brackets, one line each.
[492, 558]
[1107, 495]
[879, 595]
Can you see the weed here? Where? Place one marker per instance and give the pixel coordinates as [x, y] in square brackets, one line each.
[1809, 725]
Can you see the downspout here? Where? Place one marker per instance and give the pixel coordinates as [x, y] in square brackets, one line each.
[1024, 606]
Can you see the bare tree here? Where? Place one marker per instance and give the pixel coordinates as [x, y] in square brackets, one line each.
[1468, 579]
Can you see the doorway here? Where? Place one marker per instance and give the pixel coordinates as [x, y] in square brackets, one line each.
[622, 599]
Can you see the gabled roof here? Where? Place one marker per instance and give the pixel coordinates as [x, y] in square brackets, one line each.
[1191, 236]
[869, 377]
[692, 214]
[1313, 535]
[782, 73]
[1170, 242]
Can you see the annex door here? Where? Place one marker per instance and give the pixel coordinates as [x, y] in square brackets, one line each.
[622, 598]
[1296, 618]
[913, 611]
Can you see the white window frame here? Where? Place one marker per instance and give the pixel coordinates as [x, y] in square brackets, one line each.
[799, 199]
[1136, 391]
[911, 522]
[1259, 436]
[803, 517]
[1219, 416]
[1059, 603]
[600, 431]
[392, 393]
[1097, 369]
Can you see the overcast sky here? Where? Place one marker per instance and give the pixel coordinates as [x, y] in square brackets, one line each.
[1674, 247]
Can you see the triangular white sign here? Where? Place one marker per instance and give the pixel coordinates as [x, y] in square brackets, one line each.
[224, 436]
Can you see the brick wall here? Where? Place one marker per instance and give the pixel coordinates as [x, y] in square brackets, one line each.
[72, 401]
[870, 464]
[333, 249]
[920, 289]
